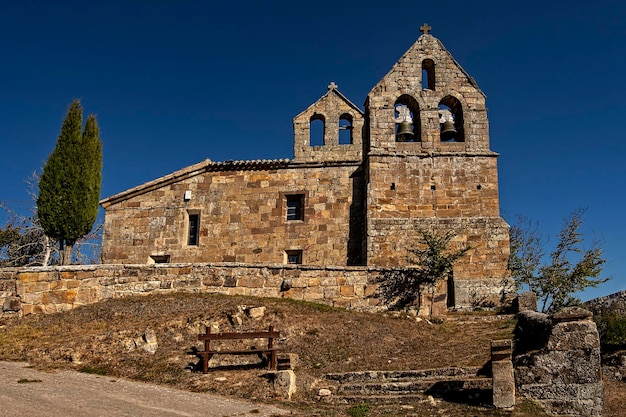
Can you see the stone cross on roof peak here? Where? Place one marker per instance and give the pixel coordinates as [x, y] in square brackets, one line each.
[425, 29]
[333, 86]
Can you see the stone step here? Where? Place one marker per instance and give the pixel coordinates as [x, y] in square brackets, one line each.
[450, 373]
[404, 387]
[379, 399]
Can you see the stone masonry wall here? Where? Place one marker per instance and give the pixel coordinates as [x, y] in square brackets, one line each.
[242, 212]
[557, 362]
[52, 289]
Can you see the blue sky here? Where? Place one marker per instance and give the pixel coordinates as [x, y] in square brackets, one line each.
[175, 82]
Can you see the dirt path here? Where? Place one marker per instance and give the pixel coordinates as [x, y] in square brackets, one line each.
[73, 394]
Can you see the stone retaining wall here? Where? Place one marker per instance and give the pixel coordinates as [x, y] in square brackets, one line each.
[557, 362]
[52, 289]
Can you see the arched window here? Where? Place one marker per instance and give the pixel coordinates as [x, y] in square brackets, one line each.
[407, 119]
[317, 130]
[451, 120]
[345, 129]
[428, 74]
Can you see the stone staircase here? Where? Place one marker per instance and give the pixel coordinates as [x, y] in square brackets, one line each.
[451, 384]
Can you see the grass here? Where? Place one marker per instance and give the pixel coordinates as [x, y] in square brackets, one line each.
[359, 410]
[530, 407]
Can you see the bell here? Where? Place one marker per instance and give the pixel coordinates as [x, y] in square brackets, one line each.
[448, 132]
[405, 132]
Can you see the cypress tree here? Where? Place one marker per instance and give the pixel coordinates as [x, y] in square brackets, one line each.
[69, 188]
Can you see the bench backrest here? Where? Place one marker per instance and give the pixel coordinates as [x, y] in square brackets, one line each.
[271, 334]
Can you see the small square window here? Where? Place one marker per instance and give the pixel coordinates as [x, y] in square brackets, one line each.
[194, 224]
[295, 206]
[160, 259]
[294, 257]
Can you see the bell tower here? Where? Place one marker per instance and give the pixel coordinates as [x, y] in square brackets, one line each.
[429, 167]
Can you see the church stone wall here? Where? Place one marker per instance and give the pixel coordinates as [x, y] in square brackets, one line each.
[242, 217]
[418, 159]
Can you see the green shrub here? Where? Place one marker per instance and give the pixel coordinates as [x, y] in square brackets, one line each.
[612, 329]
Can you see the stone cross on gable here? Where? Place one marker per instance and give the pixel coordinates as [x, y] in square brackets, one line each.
[332, 86]
[425, 28]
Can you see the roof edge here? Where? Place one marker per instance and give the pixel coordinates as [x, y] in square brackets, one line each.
[209, 166]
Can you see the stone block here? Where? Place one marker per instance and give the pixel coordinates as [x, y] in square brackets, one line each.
[230, 281]
[568, 314]
[347, 291]
[27, 309]
[212, 280]
[527, 301]
[238, 291]
[28, 277]
[295, 293]
[342, 302]
[503, 384]
[11, 304]
[313, 294]
[285, 383]
[574, 335]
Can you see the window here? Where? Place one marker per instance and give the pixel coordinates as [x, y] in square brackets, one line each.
[295, 206]
[428, 74]
[160, 259]
[194, 223]
[294, 257]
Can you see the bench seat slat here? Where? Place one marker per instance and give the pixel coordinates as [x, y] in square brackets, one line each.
[208, 353]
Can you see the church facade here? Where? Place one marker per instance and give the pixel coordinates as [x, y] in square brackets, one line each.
[416, 158]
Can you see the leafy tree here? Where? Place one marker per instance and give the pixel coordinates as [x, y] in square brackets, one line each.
[555, 281]
[69, 187]
[430, 263]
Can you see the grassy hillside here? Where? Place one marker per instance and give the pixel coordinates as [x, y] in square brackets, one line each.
[109, 338]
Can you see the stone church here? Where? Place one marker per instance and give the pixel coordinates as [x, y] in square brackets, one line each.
[416, 158]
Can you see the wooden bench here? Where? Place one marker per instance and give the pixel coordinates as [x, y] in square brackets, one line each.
[208, 353]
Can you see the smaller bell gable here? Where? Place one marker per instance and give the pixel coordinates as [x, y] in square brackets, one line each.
[339, 130]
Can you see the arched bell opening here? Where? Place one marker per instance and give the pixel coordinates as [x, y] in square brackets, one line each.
[451, 127]
[345, 129]
[317, 130]
[407, 119]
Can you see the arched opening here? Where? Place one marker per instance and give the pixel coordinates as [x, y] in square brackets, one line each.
[451, 125]
[317, 129]
[407, 119]
[345, 129]
[428, 74]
